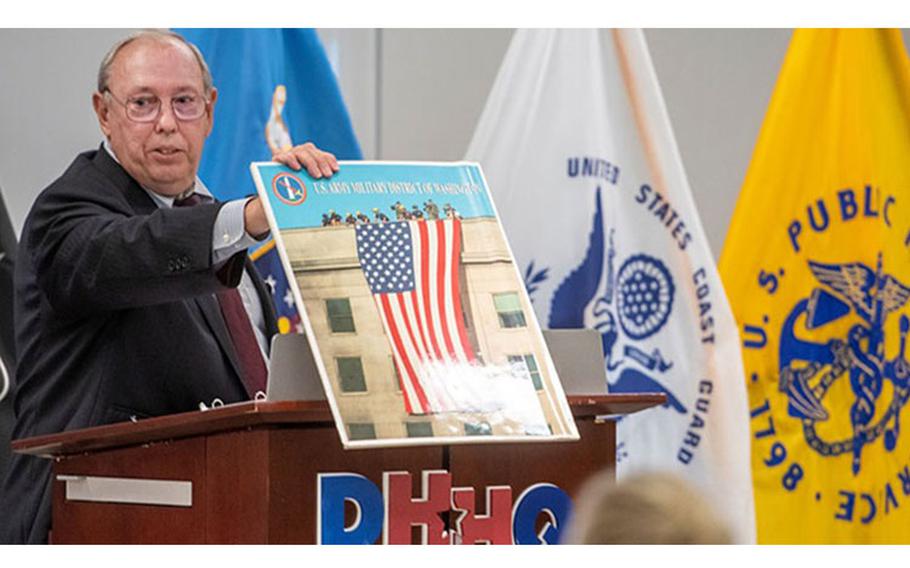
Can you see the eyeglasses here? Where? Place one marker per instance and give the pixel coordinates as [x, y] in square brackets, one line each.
[147, 108]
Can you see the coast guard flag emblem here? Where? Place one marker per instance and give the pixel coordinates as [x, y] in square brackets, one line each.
[578, 151]
[412, 270]
[818, 270]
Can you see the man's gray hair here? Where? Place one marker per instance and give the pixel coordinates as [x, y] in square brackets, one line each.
[104, 72]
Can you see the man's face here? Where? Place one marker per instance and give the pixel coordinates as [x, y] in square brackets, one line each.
[162, 155]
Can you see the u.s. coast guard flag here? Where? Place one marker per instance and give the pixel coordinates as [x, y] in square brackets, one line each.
[577, 147]
[817, 268]
[275, 89]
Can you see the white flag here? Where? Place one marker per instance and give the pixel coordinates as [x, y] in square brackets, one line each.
[579, 154]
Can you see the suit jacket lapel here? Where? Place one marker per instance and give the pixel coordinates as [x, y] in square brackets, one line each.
[137, 198]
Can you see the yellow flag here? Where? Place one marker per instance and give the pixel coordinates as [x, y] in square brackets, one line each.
[817, 269]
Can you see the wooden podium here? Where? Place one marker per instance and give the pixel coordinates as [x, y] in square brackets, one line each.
[247, 473]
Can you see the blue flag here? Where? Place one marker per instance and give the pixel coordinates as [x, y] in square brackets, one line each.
[275, 89]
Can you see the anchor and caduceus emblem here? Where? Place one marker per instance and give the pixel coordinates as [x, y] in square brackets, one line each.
[872, 295]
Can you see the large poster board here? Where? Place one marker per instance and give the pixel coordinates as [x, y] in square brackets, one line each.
[417, 316]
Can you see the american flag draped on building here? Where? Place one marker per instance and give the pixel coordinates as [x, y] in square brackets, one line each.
[412, 270]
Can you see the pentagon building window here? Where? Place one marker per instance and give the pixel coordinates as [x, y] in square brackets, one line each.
[528, 365]
[364, 431]
[419, 429]
[508, 306]
[350, 374]
[482, 429]
[341, 319]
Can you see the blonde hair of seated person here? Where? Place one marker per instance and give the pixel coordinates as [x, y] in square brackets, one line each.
[648, 508]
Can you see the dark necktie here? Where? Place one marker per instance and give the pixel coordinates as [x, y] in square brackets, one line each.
[255, 374]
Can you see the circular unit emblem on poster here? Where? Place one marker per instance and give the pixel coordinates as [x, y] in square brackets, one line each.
[289, 188]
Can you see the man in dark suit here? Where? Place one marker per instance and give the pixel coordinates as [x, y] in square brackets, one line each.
[134, 294]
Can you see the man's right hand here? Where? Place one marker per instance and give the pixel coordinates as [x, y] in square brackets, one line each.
[307, 156]
[317, 163]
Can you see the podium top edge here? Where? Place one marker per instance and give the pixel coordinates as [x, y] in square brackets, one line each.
[263, 413]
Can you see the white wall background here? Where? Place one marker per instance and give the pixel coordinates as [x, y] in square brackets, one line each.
[412, 94]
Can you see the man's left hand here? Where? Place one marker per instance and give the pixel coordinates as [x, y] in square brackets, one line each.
[317, 163]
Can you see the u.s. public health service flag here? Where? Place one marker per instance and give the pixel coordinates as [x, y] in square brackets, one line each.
[578, 150]
[817, 268]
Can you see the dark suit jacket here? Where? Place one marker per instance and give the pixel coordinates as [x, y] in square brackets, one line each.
[115, 319]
